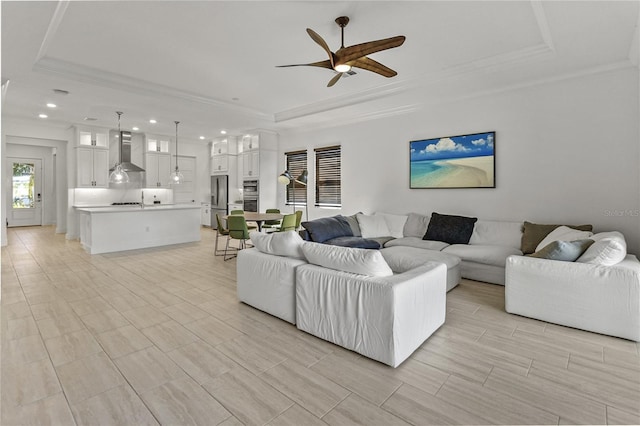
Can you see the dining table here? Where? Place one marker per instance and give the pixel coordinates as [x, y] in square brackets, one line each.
[260, 218]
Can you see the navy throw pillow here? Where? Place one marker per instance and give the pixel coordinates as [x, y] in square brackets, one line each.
[328, 228]
[450, 229]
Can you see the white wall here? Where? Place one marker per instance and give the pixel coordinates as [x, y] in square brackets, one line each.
[566, 152]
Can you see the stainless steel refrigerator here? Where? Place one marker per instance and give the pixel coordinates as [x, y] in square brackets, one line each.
[219, 197]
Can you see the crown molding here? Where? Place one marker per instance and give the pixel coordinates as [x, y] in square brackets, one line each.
[142, 87]
[52, 29]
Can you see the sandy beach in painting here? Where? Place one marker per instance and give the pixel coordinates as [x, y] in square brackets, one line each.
[457, 173]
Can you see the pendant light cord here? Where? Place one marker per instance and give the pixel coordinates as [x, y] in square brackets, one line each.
[177, 122]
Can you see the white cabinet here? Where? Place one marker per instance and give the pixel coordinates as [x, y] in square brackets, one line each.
[92, 167]
[250, 142]
[223, 155]
[88, 136]
[219, 163]
[205, 214]
[220, 147]
[251, 164]
[157, 144]
[158, 169]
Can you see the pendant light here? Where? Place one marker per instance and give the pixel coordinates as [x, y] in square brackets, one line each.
[176, 177]
[118, 175]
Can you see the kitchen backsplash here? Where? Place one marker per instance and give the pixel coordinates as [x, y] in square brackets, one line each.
[104, 196]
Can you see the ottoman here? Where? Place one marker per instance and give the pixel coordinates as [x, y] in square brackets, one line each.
[401, 258]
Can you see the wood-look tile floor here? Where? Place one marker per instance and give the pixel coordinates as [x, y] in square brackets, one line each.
[157, 336]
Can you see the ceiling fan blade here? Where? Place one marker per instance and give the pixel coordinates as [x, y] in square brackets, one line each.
[335, 79]
[321, 64]
[369, 64]
[356, 51]
[316, 37]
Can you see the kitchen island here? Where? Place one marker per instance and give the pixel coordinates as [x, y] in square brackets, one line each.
[119, 228]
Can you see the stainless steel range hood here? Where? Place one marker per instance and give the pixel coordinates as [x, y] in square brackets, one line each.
[125, 154]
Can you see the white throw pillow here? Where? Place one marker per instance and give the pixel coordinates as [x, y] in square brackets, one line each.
[563, 233]
[395, 224]
[373, 226]
[609, 249]
[288, 244]
[354, 260]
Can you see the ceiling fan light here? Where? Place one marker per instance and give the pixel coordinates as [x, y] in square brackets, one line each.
[343, 68]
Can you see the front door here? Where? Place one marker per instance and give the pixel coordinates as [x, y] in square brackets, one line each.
[25, 196]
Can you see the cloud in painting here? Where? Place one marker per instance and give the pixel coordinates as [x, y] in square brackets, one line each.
[444, 144]
[479, 142]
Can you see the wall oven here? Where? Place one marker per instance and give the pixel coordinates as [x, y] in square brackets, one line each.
[250, 192]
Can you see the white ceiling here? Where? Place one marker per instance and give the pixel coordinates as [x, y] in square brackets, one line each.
[212, 64]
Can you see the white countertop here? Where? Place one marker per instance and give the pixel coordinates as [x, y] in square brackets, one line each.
[133, 208]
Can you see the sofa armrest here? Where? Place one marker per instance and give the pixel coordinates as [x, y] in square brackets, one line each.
[384, 318]
[604, 299]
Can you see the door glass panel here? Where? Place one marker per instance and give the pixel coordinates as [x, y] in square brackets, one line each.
[23, 185]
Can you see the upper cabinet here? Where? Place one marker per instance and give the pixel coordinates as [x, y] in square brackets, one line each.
[157, 143]
[92, 155]
[92, 136]
[92, 167]
[223, 155]
[250, 142]
[158, 169]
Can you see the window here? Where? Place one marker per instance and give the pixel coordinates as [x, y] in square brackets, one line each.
[328, 181]
[296, 164]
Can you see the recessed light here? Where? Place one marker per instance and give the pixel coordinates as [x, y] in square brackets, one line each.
[43, 115]
[60, 92]
[152, 121]
[50, 105]
[90, 119]
[135, 128]
[201, 137]
[223, 132]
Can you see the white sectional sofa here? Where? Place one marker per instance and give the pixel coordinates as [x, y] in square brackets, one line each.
[350, 297]
[388, 309]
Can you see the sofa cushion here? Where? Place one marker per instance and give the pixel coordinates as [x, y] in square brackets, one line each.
[450, 228]
[353, 223]
[533, 233]
[373, 226]
[354, 260]
[417, 242]
[288, 244]
[357, 242]
[488, 255]
[326, 228]
[497, 233]
[563, 233]
[395, 224]
[401, 259]
[416, 225]
[608, 249]
[567, 251]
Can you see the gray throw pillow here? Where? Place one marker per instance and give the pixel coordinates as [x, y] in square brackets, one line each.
[353, 223]
[416, 225]
[534, 233]
[567, 251]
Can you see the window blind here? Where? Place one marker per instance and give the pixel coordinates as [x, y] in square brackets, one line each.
[296, 164]
[328, 177]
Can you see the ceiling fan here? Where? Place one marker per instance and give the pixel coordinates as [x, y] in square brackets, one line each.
[353, 56]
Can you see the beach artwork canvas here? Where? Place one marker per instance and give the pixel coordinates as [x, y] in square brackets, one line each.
[466, 161]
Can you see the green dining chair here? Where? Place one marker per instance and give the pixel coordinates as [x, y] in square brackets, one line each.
[238, 230]
[271, 224]
[251, 225]
[288, 223]
[220, 231]
[298, 218]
